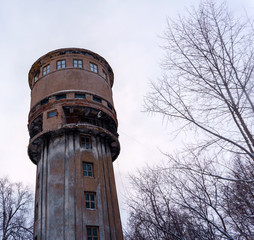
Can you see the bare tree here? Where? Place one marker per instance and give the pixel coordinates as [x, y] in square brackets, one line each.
[16, 211]
[154, 213]
[208, 82]
[182, 200]
[238, 199]
[206, 192]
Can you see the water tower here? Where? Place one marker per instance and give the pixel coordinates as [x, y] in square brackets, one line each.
[73, 141]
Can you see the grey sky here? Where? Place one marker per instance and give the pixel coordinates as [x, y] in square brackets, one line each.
[125, 33]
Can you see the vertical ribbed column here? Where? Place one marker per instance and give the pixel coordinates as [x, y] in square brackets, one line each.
[56, 188]
[70, 187]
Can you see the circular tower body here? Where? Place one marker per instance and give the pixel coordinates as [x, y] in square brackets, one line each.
[73, 141]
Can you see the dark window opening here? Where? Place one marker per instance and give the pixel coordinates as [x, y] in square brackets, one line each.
[97, 99]
[36, 212]
[80, 95]
[109, 106]
[86, 115]
[44, 101]
[60, 96]
[90, 200]
[87, 169]
[38, 181]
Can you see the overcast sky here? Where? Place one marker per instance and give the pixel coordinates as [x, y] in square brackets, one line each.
[126, 33]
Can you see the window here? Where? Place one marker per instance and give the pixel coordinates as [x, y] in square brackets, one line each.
[36, 212]
[97, 99]
[109, 106]
[87, 169]
[44, 101]
[45, 70]
[52, 114]
[80, 95]
[92, 233]
[93, 67]
[104, 74]
[90, 200]
[60, 64]
[85, 141]
[38, 181]
[60, 96]
[77, 63]
[36, 78]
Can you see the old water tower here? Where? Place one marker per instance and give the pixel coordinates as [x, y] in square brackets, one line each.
[73, 141]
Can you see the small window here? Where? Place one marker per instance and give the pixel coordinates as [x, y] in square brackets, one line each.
[92, 233]
[80, 95]
[60, 96]
[87, 169]
[109, 106]
[52, 114]
[38, 181]
[36, 77]
[97, 99]
[60, 64]
[85, 142]
[36, 212]
[77, 63]
[104, 74]
[44, 101]
[90, 200]
[93, 67]
[45, 70]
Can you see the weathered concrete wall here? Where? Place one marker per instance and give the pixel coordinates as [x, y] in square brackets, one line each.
[61, 204]
[76, 79]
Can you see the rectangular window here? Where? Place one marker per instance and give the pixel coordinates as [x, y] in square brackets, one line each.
[60, 96]
[80, 95]
[90, 200]
[36, 212]
[44, 101]
[38, 181]
[87, 169]
[85, 142]
[60, 64]
[36, 78]
[45, 70]
[104, 74]
[97, 99]
[109, 106]
[77, 63]
[92, 233]
[52, 114]
[93, 67]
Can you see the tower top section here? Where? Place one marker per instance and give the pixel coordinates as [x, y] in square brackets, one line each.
[36, 67]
